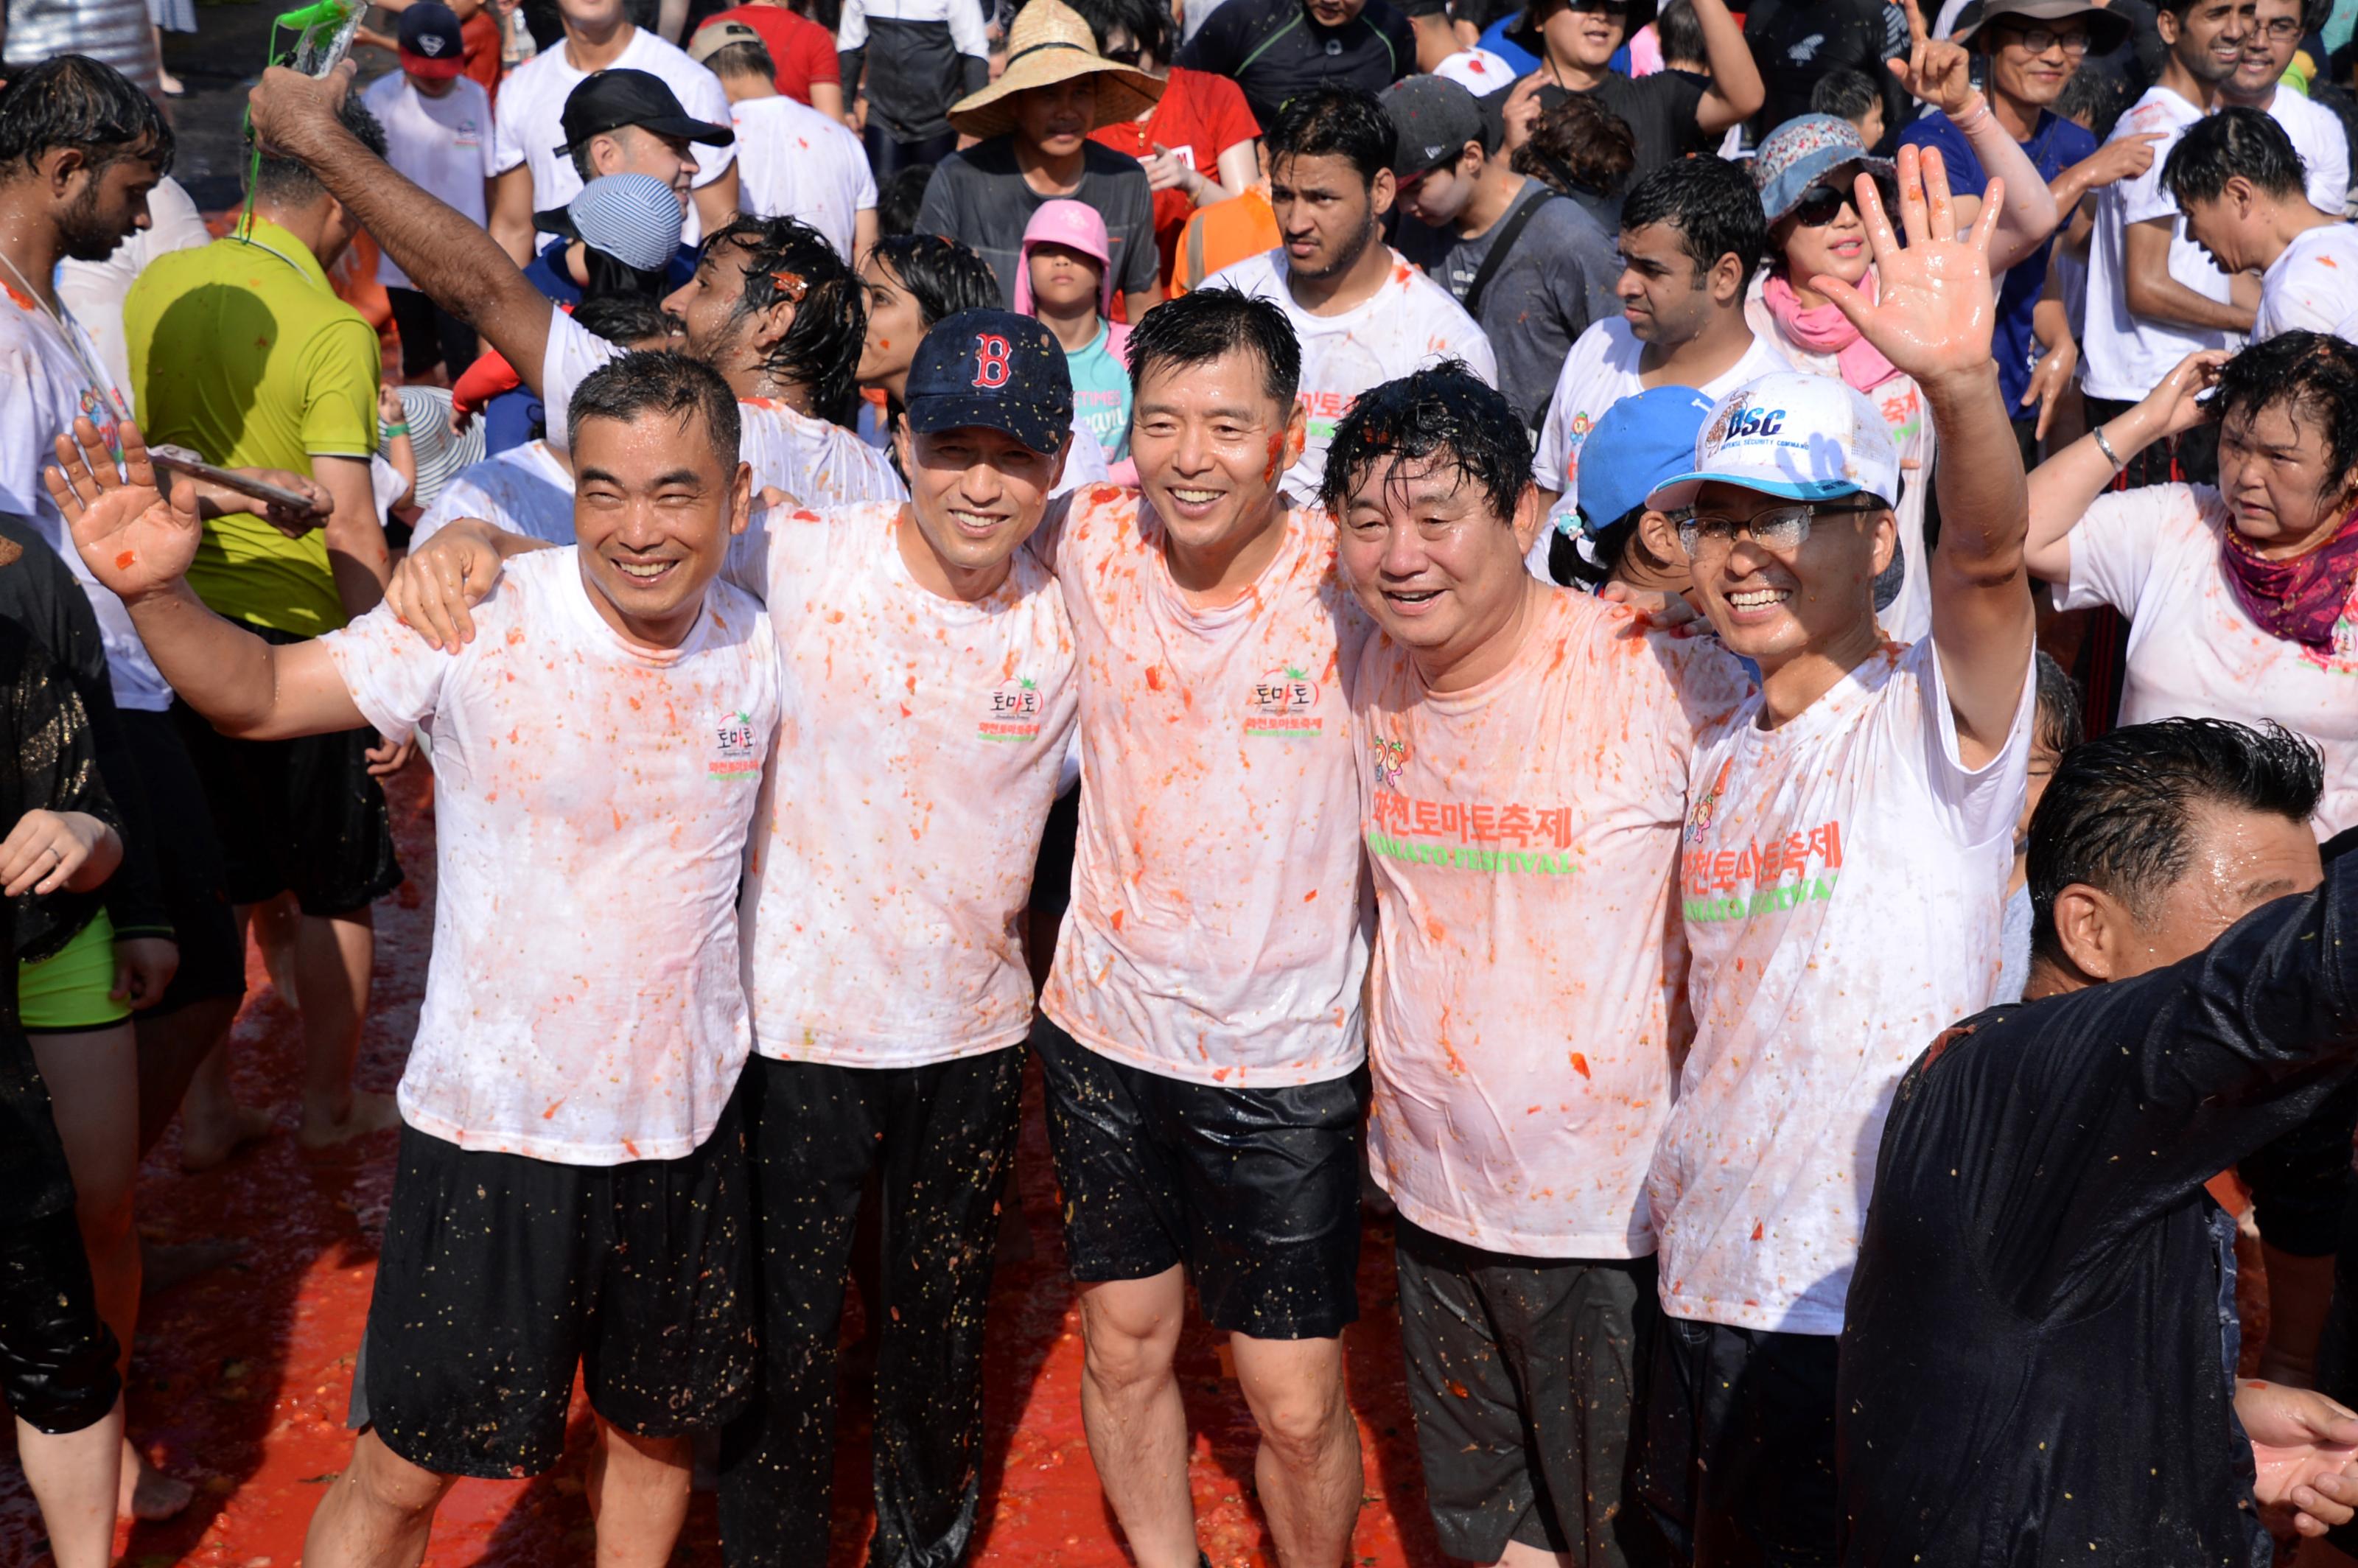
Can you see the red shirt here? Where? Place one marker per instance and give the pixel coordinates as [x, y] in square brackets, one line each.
[1199, 111]
[479, 37]
[803, 51]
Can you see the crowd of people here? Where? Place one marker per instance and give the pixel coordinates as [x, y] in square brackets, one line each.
[1701, 655]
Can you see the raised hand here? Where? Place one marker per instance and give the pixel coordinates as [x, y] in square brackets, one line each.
[1935, 309]
[134, 541]
[286, 106]
[1936, 70]
[2175, 405]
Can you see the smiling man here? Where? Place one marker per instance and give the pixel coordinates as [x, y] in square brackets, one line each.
[2258, 83]
[1523, 768]
[570, 1191]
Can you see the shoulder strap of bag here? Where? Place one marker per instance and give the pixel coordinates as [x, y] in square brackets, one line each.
[1498, 248]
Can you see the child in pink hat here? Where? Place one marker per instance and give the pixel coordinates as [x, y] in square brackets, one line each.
[1066, 281]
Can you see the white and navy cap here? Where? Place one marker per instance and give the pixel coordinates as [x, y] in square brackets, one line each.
[634, 218]
[1805, 438]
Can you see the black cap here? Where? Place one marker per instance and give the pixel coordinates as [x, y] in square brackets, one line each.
[995, 370]
[612, 99]
[429, 40]
[1432, 122]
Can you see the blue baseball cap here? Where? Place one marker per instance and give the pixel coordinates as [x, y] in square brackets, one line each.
[1639, 442]
[995, 370]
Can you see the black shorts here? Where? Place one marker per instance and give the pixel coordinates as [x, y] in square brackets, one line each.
[1522, 1374]
[500, 1274]
[188, 863]
[1256, 1191]
[1739, 1457]
[296, 816]
[57, 1357]
[430, 335]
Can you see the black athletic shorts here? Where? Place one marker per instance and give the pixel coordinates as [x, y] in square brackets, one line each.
[300, 815]
[1739, 1470]
[57, 1357]
[1256, 1191]
[430, 335]
[188, 863]
[1522, 1374]
[500, 1274]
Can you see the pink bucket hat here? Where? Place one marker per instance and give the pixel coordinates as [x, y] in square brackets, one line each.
[1073, 224]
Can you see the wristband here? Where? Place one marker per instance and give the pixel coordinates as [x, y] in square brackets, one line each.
[400, 429]
[1974, 115]
[2105, 447]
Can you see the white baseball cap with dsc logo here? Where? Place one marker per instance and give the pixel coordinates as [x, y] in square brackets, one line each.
[1804, 438]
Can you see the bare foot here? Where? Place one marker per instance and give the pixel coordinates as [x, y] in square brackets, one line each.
[162, 1264]
[206, 1144]
[148, 1492]
[370, 1113]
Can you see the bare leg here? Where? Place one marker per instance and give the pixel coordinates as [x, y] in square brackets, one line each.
[1518, 1555]
[172, 1046]
[1136, 1421]
[164, 79]
[74, 1480]
[1308, 1471]
[638, 1496]
[213, 1125]
[334, 959]
[376, 1514]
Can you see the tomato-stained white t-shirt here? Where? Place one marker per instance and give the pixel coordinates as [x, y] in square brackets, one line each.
[916, 763]
[1527, 1008]
[593, 802]
[1217, 932]
[1844, 886]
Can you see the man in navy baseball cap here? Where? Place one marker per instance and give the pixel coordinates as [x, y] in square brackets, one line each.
[992, 370]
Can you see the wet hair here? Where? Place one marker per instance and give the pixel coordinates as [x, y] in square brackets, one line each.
[1711, 204]
[642, 383]
[1845, 93]
[289, 182]
[778, 258]
[1444, 414]
[1680, 34]
[2315, 373]
[943, 276]
[622, 318]
[901, 198]
[2234, 141]
[1146, 21]
[1579, 144]
[2118, 814]
[2058, 715]
[1333, 121]
[76, 102]
[747, 59]
[2095, 95]
[1210, 324]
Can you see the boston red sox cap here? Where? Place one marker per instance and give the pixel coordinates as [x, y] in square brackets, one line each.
[995, 370]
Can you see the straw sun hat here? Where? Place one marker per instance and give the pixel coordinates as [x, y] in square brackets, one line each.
[1048, 44]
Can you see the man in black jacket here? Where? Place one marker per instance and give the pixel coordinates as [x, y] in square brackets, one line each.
[2040, 1339]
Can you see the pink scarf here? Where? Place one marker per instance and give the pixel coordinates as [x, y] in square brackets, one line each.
[2300, 600]
[1825, 330]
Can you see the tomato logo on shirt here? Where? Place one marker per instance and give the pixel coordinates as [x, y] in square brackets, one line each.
[736, 749]
[1390, 760]
[1014, 712]
[1281, 705]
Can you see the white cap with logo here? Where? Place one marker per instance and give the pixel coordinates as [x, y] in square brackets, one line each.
[1805, 438]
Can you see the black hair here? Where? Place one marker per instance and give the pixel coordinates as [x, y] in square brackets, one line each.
[1607, 547]
[1579, 144]
[624, 319]
[2314, 373]
[1146, 21]
[943, 276]
[289, 182]
[1680, 34]
[650, 383]
[1444, 413]
[2117, 814]
[1711, 204]
[76, 102]
[747, 59]
[2232, 141]
[787, 259]
[1209, 324]
[901, 198]
[2058, 716]
[1334, 121]
[2095, 95]
[1845, 93]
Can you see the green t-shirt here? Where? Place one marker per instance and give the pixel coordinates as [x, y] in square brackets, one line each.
[241, 351]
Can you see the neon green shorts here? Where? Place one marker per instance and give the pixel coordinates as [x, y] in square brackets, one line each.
[66, 991]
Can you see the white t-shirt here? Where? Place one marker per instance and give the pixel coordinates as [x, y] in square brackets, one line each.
[795, 162]
[2154, 555]
[2313, 287]
[1216, 933]
[917, 762]
[93, 292]
[1844, 882]
[444, 145]
[2125, 356]
[812, 462]
[523, 490]
[2316, 135]
[594, 799]
[1526, 999]
[43, 385]
[1408, 323]
[530, 122]
[1600, 371]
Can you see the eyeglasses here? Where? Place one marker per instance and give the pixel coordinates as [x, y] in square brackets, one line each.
[2039, 40]
[2281, 27]
[1780, 528]
[1821, 204]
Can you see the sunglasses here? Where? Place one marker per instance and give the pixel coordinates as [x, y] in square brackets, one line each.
[1129, 55]
[1821, 204]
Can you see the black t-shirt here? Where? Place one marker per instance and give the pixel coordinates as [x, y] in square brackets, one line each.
[1796, 42]
[2040, 1336]
[1273, 49]
[1660, 110]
